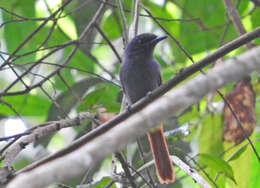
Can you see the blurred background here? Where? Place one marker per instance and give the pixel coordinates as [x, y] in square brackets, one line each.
[46, 79]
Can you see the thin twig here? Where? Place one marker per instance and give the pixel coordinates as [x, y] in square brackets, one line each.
[141, 154]
[125, 28]
[234, 16]
[158, 18]
[170, 35]
[187, 169]
[126, 169]
[136, 17]
[34, 32]
[14, 136]
[139, 174]
[240, 126]
[108, 41]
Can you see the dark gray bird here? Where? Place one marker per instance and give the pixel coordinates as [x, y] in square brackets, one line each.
[256, 2]
[139, 75]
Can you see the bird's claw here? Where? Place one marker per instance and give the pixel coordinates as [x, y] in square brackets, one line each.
[128, 108]
[149, 94]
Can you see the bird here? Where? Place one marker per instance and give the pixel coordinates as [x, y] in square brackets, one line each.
[140, 75]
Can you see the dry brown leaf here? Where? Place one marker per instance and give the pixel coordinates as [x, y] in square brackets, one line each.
[104, 116]
[242, 101]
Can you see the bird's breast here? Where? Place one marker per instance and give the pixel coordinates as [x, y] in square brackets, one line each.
[139, 78]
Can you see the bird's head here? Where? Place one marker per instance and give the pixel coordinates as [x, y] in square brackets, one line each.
[142, 45]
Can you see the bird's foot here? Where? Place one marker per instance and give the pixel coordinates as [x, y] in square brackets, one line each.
[149, 95]
[128, 108]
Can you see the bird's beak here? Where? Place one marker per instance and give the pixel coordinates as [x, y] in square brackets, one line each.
[158, 39]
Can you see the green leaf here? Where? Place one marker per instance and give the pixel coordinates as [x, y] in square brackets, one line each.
[238, 153]
[112, 23]
[79, 59]
[241, 166]
[210, 139]
[103, 183]
[67, 100]
[27, 105]
[255, 167]
[173, 27]
[105, 95]
[21, 163]
[15, 33]
[255, 22]
[200, 40]
[217, 164]
[107, 24]
[67, 76]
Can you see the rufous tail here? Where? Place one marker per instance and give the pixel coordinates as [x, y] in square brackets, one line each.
[163, 164]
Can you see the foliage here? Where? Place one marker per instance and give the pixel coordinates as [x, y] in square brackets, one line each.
[199, 27]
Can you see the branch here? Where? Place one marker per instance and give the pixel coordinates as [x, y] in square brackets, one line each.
[108, 41]
[40, 131]
[184, 167]
[123, 17]
[7, 62]
[126, 169]
[133, 29]
[234, 16]
[169, 34]
[90, 154]
[76, 44]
